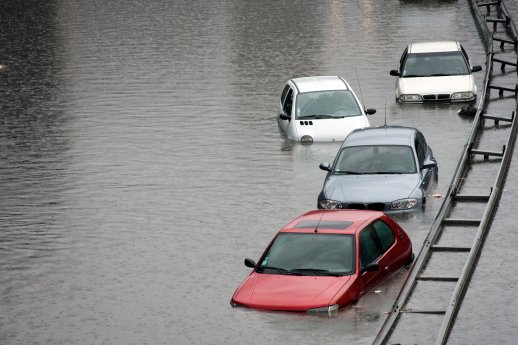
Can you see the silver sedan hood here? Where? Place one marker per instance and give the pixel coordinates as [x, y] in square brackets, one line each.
[371, 188]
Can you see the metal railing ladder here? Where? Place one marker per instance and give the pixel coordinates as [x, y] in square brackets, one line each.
[453, 285]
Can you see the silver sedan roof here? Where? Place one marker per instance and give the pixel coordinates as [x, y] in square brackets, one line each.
[383, 135]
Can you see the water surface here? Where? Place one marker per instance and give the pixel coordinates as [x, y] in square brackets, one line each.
[140, 159]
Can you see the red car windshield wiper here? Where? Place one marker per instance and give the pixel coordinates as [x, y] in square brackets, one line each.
[316, 271]
[278, 270]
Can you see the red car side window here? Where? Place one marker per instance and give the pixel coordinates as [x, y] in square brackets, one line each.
[370, 246]
[385, 234]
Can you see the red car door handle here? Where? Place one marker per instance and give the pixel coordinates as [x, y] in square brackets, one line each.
[386, 268]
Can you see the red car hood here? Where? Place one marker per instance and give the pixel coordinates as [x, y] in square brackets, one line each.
[288, 292]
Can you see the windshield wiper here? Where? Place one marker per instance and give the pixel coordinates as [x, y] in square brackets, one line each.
[316, 117]
[347, 172]
[439, 75]
[316, 271]
[278, 270]
[414, 76]
[386, 172]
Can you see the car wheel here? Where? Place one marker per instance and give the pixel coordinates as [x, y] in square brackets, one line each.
[410, 259]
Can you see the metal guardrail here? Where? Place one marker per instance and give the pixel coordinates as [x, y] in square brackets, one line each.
[496, 15]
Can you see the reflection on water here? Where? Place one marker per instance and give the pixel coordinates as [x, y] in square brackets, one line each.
[141, 161]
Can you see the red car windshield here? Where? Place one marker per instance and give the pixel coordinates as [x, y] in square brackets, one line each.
[310, 254]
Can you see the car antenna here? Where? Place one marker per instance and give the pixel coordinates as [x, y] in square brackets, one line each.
[319, 220]
[385, 112]
[360, 87]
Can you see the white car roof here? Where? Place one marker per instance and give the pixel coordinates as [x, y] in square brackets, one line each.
[431, 47]
[319, 83]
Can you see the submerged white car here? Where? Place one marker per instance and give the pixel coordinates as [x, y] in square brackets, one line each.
[320, 108]
[435, 72]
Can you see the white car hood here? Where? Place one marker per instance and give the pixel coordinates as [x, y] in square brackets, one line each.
[329, 129]
[436, 85]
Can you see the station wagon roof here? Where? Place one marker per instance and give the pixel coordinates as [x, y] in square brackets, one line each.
[383, 135]
[319, 83]
[431, 47]
[331, 221]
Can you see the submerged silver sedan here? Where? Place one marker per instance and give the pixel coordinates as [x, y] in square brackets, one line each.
[388, 168]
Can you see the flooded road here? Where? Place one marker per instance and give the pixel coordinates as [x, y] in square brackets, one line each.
[140, 159]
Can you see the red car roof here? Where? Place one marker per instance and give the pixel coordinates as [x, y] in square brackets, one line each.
[331, 221]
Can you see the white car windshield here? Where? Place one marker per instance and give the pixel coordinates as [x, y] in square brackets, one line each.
[326, 104]
[310, 254]
[375, 159]
[434, 65]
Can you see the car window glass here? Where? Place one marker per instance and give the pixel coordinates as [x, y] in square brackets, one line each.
[434, 64]
[284, 93]
[303, 251]
[370, 246]
[420, 146]
[340, 103]
[375, 159]
[288, 102]
[385, 234]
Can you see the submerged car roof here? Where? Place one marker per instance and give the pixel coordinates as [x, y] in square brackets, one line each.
[331, 221]
[432, 47]
[319, 83]
[383, 135]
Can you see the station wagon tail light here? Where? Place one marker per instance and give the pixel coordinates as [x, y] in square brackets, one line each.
[330, 204]
[403, 204]
[331, 310]
[462, 95]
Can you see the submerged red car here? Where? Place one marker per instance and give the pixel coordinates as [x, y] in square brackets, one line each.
[324, 260]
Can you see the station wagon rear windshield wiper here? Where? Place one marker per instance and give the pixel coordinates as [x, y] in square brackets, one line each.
[316, 271]
[316, 117]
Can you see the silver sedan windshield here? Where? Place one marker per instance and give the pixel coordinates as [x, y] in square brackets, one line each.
[376, 159]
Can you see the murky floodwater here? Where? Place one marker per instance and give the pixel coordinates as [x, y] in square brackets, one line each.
[140, 159]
